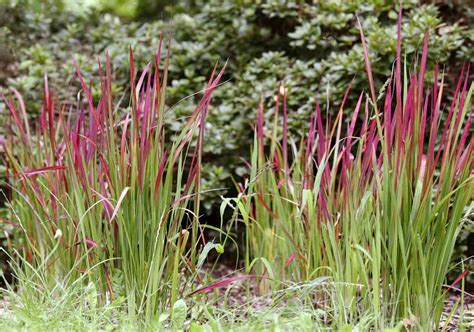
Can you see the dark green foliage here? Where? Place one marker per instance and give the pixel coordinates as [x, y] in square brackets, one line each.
[313, 47]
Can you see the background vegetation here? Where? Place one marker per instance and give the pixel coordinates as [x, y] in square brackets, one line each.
[312, 46]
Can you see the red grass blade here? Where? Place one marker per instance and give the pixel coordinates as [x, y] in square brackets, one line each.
[43, 170]
[219, 284]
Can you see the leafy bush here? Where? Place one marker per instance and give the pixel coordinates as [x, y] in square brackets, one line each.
[377, 208]
[108, 200]
[309, 45]
[113, 197]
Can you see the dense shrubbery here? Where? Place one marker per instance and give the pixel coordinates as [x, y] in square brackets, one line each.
[310, 46]
[107, 202]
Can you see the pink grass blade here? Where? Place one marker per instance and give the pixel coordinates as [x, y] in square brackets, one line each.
[219, 284]
[43, 170]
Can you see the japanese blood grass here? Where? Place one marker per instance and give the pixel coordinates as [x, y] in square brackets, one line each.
[374, 202]
[110, 196]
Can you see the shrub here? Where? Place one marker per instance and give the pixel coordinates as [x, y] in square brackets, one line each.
[111, 197]
[376, 209]
[312, 46]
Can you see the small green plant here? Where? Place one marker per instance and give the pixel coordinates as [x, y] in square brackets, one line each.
[104, 194]
[377, 208]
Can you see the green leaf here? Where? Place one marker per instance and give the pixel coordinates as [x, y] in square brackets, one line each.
[180, 311]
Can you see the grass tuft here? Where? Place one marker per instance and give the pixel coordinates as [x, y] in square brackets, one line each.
[105, 195]
[376, 206]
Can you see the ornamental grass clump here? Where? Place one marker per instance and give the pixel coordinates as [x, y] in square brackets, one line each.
[103, 191]
[374, 203]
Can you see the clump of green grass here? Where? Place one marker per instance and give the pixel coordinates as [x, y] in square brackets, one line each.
[35, 303]
[108, 196]
[375, 206]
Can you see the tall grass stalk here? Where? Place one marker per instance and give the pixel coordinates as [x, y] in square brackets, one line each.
[374, 202]
[110, 194]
